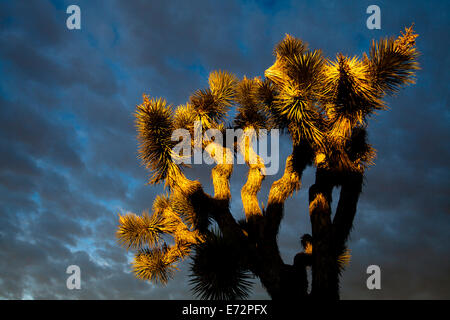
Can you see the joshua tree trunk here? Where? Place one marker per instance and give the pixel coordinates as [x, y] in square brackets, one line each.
[324, 258]
[282, 281]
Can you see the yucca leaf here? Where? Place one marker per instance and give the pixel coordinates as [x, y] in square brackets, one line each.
[353, 155]
[183, 207]
[154, 124]
[223, 86]
[302, 118]
[137, 231]
[212, 104]
[251, 110]
[154, 265]
[307, 71]
[349, 90]
[184, 117]
[289, 47]
[393, 62]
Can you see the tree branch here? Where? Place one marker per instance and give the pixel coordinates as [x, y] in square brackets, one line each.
[221, 173]
[284, 187]
[255, 177]
[325, 281]
[346, 209]
[279, 192]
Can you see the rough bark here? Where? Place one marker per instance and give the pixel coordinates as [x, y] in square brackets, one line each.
[325, 280]
[351, 188]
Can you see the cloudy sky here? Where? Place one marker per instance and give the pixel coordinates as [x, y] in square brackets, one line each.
[68, 162]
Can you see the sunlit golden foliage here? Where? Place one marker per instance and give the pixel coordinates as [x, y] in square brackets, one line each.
[306, 70]
[222, 85]
[212, 104]
[303, 118]
[298, 66]
[298, 75]
[154, 265]
[184, 117]
[350, 96]
[146, 230]
[355, 154]
[290, 46]
[154, 259]
[266, 92]
[182, 207]
[154, 126]
[251, 111]
[349, 87]
[393, 62]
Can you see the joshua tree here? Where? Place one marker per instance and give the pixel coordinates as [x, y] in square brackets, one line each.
[323, 105]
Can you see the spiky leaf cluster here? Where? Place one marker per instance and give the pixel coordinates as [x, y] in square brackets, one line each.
[289, 47]
[354, 155]
[306, 70]
[350, 96]
[303, 120]
[146, 230]
[297, 74]
[154, 126]
[218, 270]
[184, 209]
[212, 104]
[251, 109]
[154, 265]
[184, 117]
[323, 104]
[155, 260]
[359, 151]
[393, 62]
[222, 85]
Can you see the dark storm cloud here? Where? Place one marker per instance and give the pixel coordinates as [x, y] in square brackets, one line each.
[68, 146]
[31, 130]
